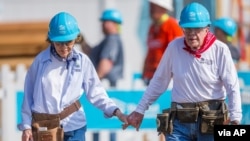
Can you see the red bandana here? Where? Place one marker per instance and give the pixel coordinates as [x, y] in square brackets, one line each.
[208, 41]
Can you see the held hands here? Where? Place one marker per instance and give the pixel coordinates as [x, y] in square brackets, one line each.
[27, 135]
[134, 119]
[122, 117]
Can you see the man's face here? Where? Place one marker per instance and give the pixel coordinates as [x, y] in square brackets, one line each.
[219, 33]
[195, 36]
[109, 27]
[156, 11]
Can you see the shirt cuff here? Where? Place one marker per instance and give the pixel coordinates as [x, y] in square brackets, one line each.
[22, 127]
[110, 112]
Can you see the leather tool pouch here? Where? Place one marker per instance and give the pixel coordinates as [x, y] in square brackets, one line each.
[162, 122]
[214, 115]
[209, 119]
[165, 121]
[187, 115]
[46, 127]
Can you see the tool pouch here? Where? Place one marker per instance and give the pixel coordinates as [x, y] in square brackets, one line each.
[163, 121]
[46, 128]
[209, 119]
[216, 115]
[187, 115]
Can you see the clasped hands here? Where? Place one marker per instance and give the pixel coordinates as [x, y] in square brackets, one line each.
[134, 119]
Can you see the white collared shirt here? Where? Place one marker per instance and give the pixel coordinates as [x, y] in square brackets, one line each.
[211, 77]
[50, 87]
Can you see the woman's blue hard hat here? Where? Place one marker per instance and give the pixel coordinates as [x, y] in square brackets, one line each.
[63, 27]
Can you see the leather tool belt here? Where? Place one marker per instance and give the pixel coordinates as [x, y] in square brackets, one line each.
[210, 112]
[46, 127]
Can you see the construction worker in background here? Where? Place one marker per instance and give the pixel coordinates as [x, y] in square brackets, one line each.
[162, 30]
[204, 76]
[108, 56]
[224, 30]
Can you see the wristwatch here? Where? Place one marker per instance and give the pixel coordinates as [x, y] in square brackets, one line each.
[114, 113]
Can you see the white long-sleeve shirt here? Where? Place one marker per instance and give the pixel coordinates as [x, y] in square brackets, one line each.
[213, 76]
[51, 85]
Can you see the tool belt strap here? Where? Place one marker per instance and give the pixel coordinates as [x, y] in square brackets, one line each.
[70, 109]
[196, 104]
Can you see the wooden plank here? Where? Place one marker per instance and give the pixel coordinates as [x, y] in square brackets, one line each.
[13, 62]
[24, 38]
[15, 38]
[21, 42]
[25, 49]
[24, 26]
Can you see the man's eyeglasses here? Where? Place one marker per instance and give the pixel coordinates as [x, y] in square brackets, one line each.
[67, 43]
[194, 30]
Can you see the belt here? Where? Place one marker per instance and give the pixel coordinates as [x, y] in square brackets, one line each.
[66, 112]
[210, 103]
[70, 109]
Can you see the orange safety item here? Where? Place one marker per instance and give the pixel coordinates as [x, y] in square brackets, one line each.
[159, 37]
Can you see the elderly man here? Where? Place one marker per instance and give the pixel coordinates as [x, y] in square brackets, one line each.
[203, 74]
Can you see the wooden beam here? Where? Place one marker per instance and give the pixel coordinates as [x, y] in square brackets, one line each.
[24, 26]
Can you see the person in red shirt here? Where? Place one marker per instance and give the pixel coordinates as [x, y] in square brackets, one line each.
[162, 30]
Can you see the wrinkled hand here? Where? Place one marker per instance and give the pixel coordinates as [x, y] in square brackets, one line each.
[134, 119]
[122, 117]
[235, 122]
[27, 135]
[228, 122]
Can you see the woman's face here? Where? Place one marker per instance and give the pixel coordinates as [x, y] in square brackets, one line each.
[64, 48]
[195, 36]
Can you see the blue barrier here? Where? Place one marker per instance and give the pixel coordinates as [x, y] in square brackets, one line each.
[127, 100]
[245, 76]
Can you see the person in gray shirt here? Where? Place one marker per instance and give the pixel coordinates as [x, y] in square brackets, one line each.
[107, 56]
[225, 29]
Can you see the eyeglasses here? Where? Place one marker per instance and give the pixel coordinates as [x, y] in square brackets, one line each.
[67, 43]
[194, 30]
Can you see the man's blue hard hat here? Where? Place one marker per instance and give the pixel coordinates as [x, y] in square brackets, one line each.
[63, 27]
[194, 15]
[111, 15]
[227, 25]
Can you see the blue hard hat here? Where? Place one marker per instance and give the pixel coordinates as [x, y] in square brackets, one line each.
[111, 15]
[63, 27]
[194, 15]
[227, 25]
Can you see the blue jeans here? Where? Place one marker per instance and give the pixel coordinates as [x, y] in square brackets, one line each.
[188, 132]
[76, 135]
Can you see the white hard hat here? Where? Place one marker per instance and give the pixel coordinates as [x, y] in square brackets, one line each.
[168, 4]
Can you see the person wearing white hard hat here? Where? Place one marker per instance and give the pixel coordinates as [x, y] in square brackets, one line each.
[162, 30]
[167, 4]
